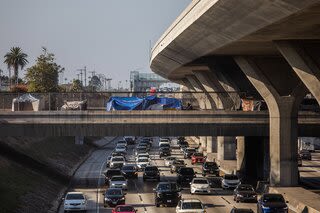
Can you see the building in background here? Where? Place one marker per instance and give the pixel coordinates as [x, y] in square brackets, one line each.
[143, 82]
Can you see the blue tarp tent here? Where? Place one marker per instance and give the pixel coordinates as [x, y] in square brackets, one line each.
[147, 103]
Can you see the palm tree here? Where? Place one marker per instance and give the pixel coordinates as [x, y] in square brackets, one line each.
[15, 59]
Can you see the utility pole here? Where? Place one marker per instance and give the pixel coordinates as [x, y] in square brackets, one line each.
[85, 76]
[109, 83]
[0, 77]
[78, 76]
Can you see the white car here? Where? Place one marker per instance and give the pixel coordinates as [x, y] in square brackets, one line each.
[117, 162]
[230, 181]
[146, 155]
[190, 205]
[118, 182]
[168, 161]
[200, 185]
[75, 201]
[142, 162]
[164, 142]
[121, 148]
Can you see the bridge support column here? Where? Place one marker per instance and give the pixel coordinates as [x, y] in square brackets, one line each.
[283, 93]
[79, 140]
[226, 148]
[240, 153]
[203, 141]
[303, 65]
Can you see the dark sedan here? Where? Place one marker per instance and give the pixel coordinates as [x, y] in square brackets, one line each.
[130, 171]
[272, 203]
[188, 152]
[114, 197]
[245, 193]
[167, 194]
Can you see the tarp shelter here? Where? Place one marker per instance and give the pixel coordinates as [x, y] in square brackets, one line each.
[147, 103]
[27, 102]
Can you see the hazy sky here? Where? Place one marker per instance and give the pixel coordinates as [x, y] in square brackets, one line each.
[108, 36]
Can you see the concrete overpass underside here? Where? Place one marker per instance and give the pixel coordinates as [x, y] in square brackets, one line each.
[268, 49]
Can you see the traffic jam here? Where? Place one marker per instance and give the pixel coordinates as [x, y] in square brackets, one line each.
[180, 174]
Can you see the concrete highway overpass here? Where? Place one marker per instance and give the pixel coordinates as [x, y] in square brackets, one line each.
[145, 123]
[268, 49]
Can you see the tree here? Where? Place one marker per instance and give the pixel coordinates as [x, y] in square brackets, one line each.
[76, 86]
[15, 59]
[95, 83]
[44, 75]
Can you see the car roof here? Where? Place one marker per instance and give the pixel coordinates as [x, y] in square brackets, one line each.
[200, 178]
[191, 200]
[75, 193]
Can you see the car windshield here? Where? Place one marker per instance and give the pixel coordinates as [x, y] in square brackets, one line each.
[200, 181]
[113, 172]
[117, 159]
[170, 158]
[198, 154]
[167, 187]
[128, 168]
[178, 162]
[245, 188]
[143, 160]
[151, 168]
[124, 209]
[121, 147]
[75, 197]
[144, 155]
[273, 198]
[230, 177]
[141, 149]
[165, 145]
[186, 171]
[114, 192]
[211, 164]
[118, 178]
[191, 150]
[191, 205]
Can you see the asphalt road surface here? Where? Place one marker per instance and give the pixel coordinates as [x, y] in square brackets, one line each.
[89, 179]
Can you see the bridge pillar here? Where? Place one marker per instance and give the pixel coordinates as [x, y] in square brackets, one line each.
[79, 140]
[283, 92]
[240, 153]
[303, 65]
[226, 148]
[203, 141]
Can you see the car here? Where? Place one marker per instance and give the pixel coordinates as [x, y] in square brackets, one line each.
[272, 203]
[197, 157]
[305, 155]
[114, 197]
[114, 154]
[148, 140]
[245, 193]
[108, 161]
[185, 175]
[200, 185]
[110, 173]
[210, 168]
[183, 144]
[144, 143]
[164, 151]
[143, 155]
[130, 140]
[124, 209]
[142, 162]
[167, 193]
[129, 171]
[118, 181]
[165, 145]
[121, 148]
[143, 146]
[189, 152]
[230, 181]
[164, 140]
[176, 165]
[151, 172]
[190, 205]
[169, 160]
[122, 143]
[140, 151]
[236, 210]
[117, 162]
[75, 201]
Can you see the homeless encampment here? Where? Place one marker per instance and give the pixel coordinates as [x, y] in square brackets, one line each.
[27, 102]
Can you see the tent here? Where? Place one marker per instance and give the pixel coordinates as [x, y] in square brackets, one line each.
[27, 102]
[147, 103]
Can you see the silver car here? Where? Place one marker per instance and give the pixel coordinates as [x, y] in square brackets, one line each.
[75, 201]
[118, 182]
[190, 205]
[200, 185]
[168, 161]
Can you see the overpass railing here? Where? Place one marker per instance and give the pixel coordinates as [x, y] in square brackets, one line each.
[97, 100]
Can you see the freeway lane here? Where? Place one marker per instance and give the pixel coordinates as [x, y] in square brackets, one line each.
[140, 194]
